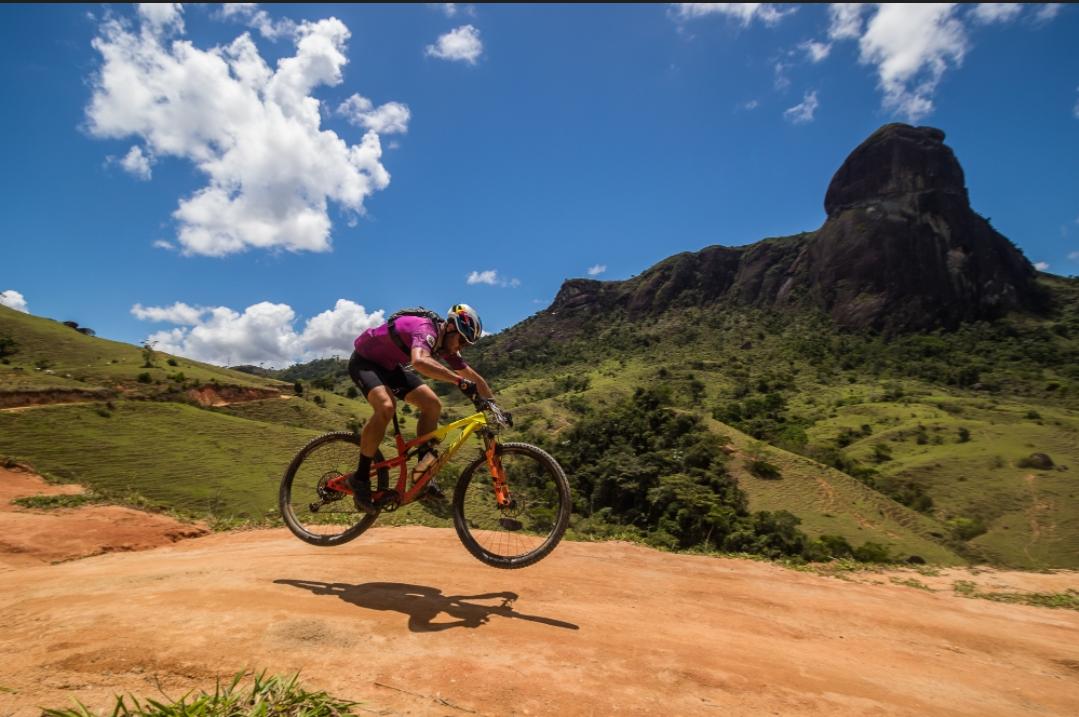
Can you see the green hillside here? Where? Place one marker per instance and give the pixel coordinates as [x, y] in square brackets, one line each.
[42, 354]
[917, 443]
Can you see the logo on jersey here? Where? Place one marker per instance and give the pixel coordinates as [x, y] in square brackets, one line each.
[430, 340]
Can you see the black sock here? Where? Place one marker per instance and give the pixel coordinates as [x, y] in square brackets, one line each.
[363, 474]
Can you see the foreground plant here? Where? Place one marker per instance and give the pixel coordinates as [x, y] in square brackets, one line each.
[272, 696]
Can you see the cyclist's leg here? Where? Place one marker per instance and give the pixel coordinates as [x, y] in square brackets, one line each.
[372, 380]
[423, 398]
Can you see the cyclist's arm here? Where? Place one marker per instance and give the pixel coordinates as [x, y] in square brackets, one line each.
[470, 373]
[426, 364]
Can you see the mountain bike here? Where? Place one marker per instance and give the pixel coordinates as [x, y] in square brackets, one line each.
[511, 505]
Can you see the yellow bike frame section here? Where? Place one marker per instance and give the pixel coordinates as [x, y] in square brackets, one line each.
[467, 426]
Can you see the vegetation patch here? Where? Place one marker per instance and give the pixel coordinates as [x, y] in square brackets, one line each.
[1068, 600]
[259, 696]
[52, 502]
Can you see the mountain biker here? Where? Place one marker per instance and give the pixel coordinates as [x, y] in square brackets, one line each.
[385, 365]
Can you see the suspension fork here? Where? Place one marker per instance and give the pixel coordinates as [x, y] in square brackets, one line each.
[498, 473]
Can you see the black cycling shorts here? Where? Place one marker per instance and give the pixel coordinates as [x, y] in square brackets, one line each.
[369, 375]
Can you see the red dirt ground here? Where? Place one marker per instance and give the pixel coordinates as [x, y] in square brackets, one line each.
[405, 621]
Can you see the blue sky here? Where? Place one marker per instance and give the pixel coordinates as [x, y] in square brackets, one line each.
[254, 184]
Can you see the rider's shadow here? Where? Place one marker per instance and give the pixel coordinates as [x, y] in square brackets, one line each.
[423, 604]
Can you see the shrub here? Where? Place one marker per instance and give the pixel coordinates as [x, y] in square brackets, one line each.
[172, 362]
[764, 470]
[297, 388]
[145, 377]
[1038, 461]
[964, 435]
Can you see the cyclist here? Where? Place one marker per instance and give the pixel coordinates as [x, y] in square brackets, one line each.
[385, 365]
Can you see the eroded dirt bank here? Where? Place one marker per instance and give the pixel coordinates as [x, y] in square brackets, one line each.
[405, 621]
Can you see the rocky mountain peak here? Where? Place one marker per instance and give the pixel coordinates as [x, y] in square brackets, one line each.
[895, 162]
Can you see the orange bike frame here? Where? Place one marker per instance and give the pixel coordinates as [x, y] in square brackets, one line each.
[467, 426]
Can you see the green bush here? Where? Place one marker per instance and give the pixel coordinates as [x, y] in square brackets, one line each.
[764, 470]
[145, 377]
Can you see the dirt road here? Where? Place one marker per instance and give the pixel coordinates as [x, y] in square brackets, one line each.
[405, 621]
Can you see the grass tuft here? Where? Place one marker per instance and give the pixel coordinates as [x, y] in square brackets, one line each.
[274, 695]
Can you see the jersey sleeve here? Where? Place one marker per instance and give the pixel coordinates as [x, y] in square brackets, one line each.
[424, 335]
[454, 361]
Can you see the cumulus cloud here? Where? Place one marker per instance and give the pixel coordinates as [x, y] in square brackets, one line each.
[462, 44]
[136, 163]
[13, 300]
[911, 46]
[1041, 266]
[815, 51]
[845, 20]
[750, 105]
[744, 12]
[251, 15]
[989, 12]
[162, 17]
[389, 118]
[597, 269]
[253, 131]
[491, 278]
[178, 313]
[803, 113]
[262, 333]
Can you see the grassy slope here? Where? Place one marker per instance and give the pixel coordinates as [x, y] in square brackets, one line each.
[827, 500]
[73, 360]
[1030, 515]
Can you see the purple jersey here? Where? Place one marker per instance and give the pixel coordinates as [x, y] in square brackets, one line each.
[376, 345]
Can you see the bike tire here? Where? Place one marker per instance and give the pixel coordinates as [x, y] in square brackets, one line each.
[327, 455]
[521, 536]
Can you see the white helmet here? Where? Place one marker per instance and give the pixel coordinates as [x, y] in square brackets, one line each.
[466, 321]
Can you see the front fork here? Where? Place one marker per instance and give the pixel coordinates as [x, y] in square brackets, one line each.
[498, 473]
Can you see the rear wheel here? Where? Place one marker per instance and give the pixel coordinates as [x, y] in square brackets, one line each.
[526, 530]
[314, 512]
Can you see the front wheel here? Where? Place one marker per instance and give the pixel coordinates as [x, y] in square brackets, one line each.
[314, 512]
[530, 525]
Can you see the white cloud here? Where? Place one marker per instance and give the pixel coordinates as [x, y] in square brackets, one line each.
[912, 45]
[483, 277]
[162, 244]
[846, 20]
[744, 12]
[263, 333]
[1074, 256]
[252, 130]
[750, 105]
[453, 9]
[491, 278]
[1047, 12]
[389, 118]
[597, 269]
[989, 12]
[782, 82]
[178, 313]
[137, 163]
[461, 44]
[160, 17]
[815, 51]
[13, 300]
[250, 14]
[803, 113]
[1041, 266]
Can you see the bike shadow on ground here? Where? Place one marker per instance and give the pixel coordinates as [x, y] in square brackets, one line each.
[423, 604]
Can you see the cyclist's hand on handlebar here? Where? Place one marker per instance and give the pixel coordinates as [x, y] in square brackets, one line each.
[468, 388]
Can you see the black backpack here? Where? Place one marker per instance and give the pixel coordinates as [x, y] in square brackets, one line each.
[426, 313]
